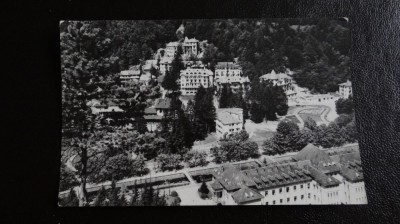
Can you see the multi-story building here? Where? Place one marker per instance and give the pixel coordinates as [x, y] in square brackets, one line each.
[230, 73]
[170, 49]
[318, 179]
[191, 79]
[165, 65]
[190, 46]
[152, 119]
[229, 120]
[279, 79]
[129, 75]
[345, 89]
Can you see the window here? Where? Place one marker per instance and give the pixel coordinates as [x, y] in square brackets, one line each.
[302, 196]
[308, 185]
[301, 186]
[281, 201]
[288, 199]
[287, 189]
[266, 203]
[295, 198]
[273, 202]
[273, 192]
[280, 190]
[266, 193]
[309, 195]
[294, 187]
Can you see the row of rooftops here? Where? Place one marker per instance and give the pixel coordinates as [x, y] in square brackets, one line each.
[303, 169]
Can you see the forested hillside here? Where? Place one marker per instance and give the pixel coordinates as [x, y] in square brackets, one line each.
[317, 50]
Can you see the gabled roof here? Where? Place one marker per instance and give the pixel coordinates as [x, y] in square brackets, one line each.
[348, 83]
[226, 115]
[318, 158]
[163, 103]
[216, 185]
[245, 194]
[352, 172]
[232, 179]
[322, 179]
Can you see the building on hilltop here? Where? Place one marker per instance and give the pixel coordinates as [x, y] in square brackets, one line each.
[107, 108]
[170, 49]
[345, 89]
[190, 46]
[229, 120]
[191, 78]
[230, 73]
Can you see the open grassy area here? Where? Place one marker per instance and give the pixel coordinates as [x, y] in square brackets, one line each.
[315, 117]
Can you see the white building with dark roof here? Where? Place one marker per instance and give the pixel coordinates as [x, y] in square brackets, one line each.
[345, 89]
[170, 49]
[229, 120]
[191, 79]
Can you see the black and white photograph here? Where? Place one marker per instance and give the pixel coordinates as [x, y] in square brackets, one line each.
[200, 112]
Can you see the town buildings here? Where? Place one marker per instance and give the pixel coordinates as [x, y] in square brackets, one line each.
[163, 107]
[313, 177]
[230, 73]
[229, 120]
[170, 49]
[152, 119]
[345, 89]
[192, 77]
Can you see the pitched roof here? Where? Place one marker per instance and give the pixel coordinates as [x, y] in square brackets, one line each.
[163, 103]
[321, 178]
[352, 172]
[232, 179]
[348, 83]
[227, 115]
[245, 194]
[216, 185]
[277, 175]
[318, 158]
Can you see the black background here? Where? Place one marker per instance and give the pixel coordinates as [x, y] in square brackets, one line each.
[34, 113]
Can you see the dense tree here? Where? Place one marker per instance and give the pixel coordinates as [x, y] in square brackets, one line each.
[345, 106]
[267, 101]
[203, 190]
[204, 113]
[235, 147]
[288, 138]
[195, 158]
[168, 161]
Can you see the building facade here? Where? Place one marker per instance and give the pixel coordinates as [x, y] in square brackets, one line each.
[191, 79]
[345, 89]
[229, 120]
[190, 46]
[230, 73]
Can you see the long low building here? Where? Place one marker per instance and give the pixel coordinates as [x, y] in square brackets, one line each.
[307, 181]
